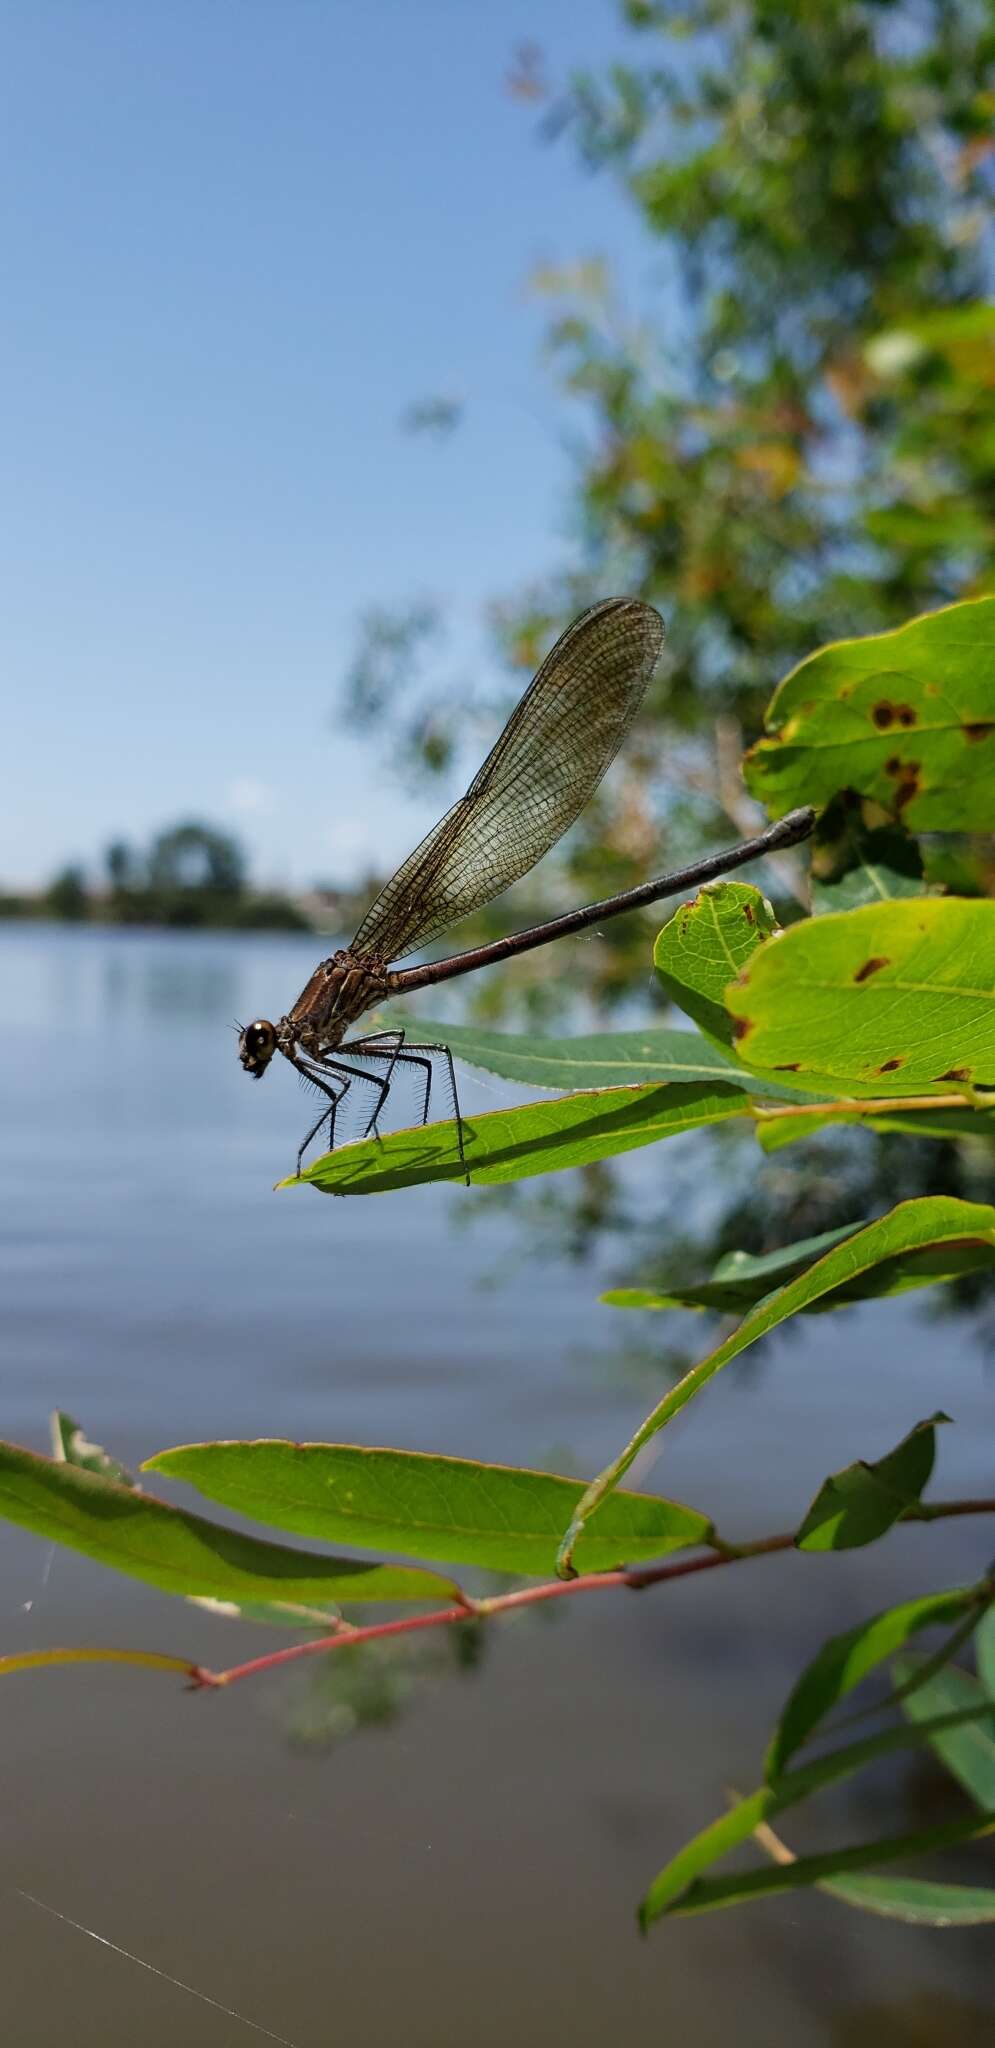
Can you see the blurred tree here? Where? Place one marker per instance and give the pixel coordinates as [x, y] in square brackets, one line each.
[66, 895]
[195, 856]
[120, 864]
[797, 441]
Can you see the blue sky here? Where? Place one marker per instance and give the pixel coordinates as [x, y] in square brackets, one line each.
[238, 239]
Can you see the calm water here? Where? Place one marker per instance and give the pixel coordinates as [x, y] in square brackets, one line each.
[468, 1870]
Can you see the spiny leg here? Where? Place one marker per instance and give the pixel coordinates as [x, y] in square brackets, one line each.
[327, 1116]
[392, 1054]
[412, 1053]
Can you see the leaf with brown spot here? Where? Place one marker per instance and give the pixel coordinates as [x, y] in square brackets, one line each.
[847, 995]
[831, 723]
[705, 945]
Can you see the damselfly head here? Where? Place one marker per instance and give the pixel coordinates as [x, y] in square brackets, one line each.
[256, 1047]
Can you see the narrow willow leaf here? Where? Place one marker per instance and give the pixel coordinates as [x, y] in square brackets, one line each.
[859, 1504]
[892, 998]
[931, 1220]
[706, 1895]
[502, 1517]
[916, 1900]
[514, 1144]
[984, 1644]
[906, 718]
[603, 1059]
[919, 1901]
[71, 1446]
[854, 863]
[967, 1753]
[182, 1553]
[846, 1659]
[704, 947]
[738, 1280]
[148, 1660]
[747, 1815]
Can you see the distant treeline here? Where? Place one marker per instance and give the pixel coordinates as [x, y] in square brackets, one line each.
[190, 875]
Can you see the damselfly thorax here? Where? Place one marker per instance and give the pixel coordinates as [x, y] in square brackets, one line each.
[548, 761]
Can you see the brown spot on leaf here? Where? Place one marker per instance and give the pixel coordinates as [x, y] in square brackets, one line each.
[890, 1066]
[742, 1025]
[883, 714]
[893, 765]
[906, 714]
[788, 1067]
[872, 966]
[908, 787]
[748, 914]
[956, 1074]
[980, 729]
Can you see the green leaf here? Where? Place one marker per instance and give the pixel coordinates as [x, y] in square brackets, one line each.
[514, 1144]
[917, 1900]
[967, 1753]
[984, 1643]
[906, 718]
[71, 1446]
[147, 1660]
[705, 1895]
[673, 1883]
[604, 1059]
[859, 1504]
[738, 1280]
[931, 1220]
[854, 863]
[892, 998]
[846, 1659]
[498, 1516]
[182, 1553]
[704, 947]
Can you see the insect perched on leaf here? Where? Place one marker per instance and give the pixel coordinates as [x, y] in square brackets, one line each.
[551, 756]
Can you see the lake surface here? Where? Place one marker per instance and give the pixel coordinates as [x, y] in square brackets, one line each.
[466, 1870]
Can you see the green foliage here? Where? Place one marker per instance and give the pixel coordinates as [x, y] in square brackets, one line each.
[604, 1059]
[448, 1509]
[905, 718]
[855, 862]
[739, 1280]
[967, 1753]
[846, 1659]
[862, 1503]
[679, 1888]
[181, 1553]
[911, 1227]
[514, 1144]
[891, 998]
[706, 945]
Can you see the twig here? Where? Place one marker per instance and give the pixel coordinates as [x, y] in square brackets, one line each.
[868, 1105]
[635, 1579]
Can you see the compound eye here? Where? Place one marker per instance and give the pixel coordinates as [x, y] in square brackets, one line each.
[260, 1037]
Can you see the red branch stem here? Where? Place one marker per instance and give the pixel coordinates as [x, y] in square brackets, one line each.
[635, 1578]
